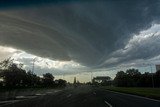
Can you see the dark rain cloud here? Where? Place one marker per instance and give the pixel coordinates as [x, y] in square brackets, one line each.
[86, 32]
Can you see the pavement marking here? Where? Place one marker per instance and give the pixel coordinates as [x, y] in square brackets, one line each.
[69, 95]
[108, 104]
[4, 103]
[38, 94]
[23, 98]
[134, 96]
[20, 97]
[57, 91]
[10, 101]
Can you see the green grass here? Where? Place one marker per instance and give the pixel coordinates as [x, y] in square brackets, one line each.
[145, 92]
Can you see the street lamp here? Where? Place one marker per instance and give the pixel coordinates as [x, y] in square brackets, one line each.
[34, 59]
[151, 74]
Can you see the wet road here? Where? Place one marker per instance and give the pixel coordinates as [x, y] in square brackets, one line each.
[85, 96]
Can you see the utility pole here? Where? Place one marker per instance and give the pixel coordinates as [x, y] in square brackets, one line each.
[75, 81]
[91, 76]
[152, 76]
[34, 59]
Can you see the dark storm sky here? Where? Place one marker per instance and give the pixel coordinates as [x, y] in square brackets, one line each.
[94, 33]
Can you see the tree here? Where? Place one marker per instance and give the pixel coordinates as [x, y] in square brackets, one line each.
[128, 79]
[32, 79]
[157, 78]
[133, 72]
[6, 64]
[133, 76]
[13, 75]
[145, 80]
[48, 79]
[61, 82]
[120, 79]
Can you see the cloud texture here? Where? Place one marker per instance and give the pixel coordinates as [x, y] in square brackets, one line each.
[94, 34]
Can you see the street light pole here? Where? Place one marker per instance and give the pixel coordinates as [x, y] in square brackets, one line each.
[34, 59]
[152, 76]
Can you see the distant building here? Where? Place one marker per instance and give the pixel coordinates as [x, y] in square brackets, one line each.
[157, 67]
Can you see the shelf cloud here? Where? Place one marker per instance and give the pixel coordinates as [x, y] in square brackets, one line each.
[94, 34]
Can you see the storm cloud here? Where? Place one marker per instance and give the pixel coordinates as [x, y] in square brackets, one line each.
[94, 34]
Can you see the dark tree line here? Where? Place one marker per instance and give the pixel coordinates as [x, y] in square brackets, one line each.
[133, 78]
[102, 80]
[12, 75]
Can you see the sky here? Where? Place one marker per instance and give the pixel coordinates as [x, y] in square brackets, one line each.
[80, 38]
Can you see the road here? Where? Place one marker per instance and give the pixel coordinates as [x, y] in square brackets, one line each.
[84, 96]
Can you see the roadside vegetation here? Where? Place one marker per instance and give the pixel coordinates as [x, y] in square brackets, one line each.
[134, 78]
[134, 82]
[145, 92]
[13, 76]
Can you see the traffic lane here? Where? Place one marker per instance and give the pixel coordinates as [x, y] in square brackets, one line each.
[22, 97]
[78, 97]
[86, 97]
[125, 100]
[39, 101]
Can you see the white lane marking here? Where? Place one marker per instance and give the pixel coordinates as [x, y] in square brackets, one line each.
[25, 97]
[108, 104]
[134, 96]
[38, 94]
[4, 103]
[20, 97]
[69, 95]
[57, 91]
[10, 101]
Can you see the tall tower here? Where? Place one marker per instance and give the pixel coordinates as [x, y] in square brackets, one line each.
[74, 82]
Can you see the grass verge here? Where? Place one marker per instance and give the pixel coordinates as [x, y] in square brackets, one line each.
[153, 93]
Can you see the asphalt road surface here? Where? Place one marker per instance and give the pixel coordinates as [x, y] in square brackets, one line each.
[84, 96]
